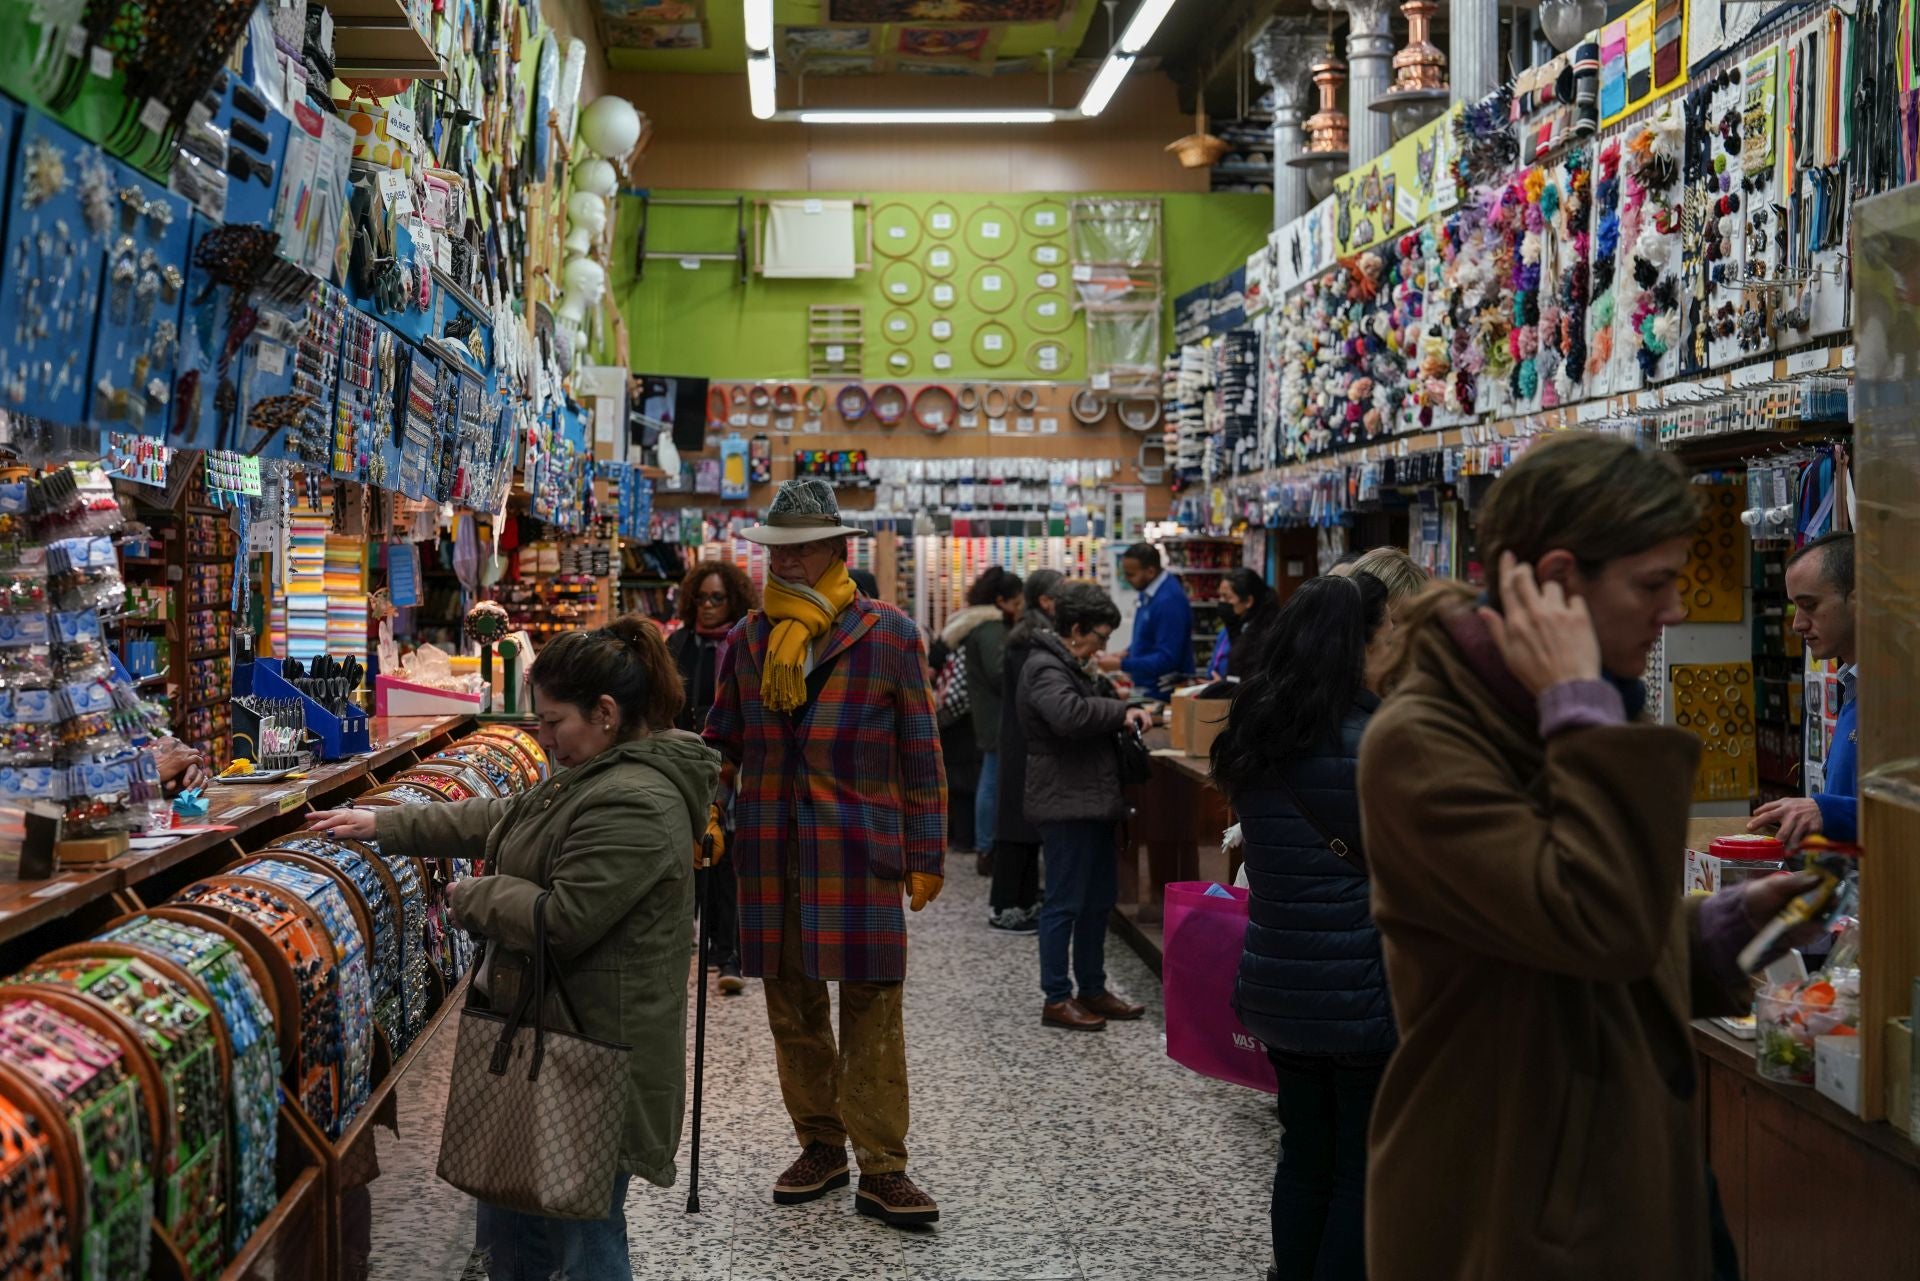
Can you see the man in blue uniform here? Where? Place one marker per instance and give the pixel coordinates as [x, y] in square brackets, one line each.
[1820, 584]
[1162, 649]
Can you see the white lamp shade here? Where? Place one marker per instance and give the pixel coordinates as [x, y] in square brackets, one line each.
[611, 126]
[582, 275]
[595, 175]
[584, 209]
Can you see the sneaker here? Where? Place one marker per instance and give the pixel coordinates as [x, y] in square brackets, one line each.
[731, 984]
[894, 1200]
[820, 1169]
[1014, 920]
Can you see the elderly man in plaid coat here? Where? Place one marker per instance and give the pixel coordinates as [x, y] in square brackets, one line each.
[825, 707]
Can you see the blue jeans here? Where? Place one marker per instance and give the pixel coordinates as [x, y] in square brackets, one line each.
[986, 802]
[1083, 884]
[533, 1247]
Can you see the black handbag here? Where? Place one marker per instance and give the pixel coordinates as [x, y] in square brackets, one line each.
[1136, 762]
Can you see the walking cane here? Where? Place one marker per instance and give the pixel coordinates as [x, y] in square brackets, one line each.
[700, 1028]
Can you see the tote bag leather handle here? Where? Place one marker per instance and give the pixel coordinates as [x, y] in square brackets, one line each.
[537, 995]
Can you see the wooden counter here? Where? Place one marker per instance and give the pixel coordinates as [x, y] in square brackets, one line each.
[1172, 834]
[1809, 1189]
[125, 883]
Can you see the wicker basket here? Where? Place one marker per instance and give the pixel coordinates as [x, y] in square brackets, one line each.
[1199, 149]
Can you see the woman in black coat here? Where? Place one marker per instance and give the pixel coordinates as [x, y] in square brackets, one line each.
[1312, 984]
[714, 596]
[1015, 900]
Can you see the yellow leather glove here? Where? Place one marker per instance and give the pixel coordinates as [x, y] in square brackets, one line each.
[924, 887]
[713, 842]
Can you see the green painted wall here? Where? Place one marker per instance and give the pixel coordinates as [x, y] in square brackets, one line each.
[703, 323]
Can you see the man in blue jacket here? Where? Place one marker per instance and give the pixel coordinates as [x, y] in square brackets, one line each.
[1162, 649]
[1820, 584]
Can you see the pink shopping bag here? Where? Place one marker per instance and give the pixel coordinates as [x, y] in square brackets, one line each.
[1200, 958]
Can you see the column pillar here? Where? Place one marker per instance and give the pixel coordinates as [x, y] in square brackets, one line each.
[1473, 48]
[1370, 74]
[1282, 51]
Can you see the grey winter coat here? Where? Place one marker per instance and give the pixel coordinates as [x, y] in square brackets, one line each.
[1072, 770]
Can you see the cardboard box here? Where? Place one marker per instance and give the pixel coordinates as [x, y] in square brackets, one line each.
[1900, 1092]
[1205, 718]
[1836, 1070]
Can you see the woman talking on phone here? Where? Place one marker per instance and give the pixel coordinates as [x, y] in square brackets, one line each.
[1525, 833]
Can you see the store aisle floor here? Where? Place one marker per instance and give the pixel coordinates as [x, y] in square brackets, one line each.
[1054, 1155]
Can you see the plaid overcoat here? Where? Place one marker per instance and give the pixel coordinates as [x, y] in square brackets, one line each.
[856, 772]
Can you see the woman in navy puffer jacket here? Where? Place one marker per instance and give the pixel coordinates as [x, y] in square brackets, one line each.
[1311, 981]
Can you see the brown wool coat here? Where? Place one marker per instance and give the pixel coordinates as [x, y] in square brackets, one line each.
[1537, 1122]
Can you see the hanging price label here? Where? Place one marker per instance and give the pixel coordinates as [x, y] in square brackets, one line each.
[942, 222]
[969, 422]
[1049, 426]
[943, 293]
[101, 62]
[898, 324]
[1023, 425]
[941, 360]
[1048, 309]
[836, 354]
[1102, 381]
[1083, 273]
[812, 207]
[992, 342]
[1046, 218]
[992, 284]
[897, 233]
[899, 287]
[1047, 279]
[990, 231]
[940, 258]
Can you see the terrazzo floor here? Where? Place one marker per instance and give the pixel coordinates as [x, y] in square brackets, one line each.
[1053, 1154]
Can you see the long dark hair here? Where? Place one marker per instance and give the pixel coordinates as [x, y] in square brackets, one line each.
[1313, 664]
[1248, 586]
[994, 585]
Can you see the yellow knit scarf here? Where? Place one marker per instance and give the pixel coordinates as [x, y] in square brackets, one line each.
[801, 615]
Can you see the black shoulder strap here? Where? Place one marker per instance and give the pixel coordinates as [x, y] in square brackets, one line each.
[1327, 838]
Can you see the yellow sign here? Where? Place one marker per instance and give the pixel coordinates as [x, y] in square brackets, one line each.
[1398, 191]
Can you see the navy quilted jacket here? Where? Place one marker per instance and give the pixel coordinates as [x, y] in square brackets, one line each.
[1311, 979]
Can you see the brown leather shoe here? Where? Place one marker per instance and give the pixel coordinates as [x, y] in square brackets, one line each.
[1071, 1015]
[893, 1199]
[821, 1168]
[1107, 1005]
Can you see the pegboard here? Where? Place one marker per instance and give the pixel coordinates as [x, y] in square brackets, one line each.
[1714, 590]
[1714, 702]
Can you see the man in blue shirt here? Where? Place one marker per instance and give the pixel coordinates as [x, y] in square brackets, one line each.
[1820, 584]
[1162, 649]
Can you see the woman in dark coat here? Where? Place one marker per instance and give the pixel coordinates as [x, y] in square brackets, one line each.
[1073, 793]
[714, 596]
[1247, 605]
[1015, 900]
[1312, 984]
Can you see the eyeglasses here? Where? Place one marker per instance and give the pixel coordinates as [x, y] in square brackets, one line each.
[711, 598]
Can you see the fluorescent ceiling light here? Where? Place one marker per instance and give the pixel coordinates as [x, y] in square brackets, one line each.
[1146, 21]
[760, 87]
[760, 26]
[929, 117]
[1105, 84]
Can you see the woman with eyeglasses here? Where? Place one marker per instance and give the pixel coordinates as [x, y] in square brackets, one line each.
[1073, 793]
[714, 596]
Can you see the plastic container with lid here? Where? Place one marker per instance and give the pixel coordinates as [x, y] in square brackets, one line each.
[1748, 857]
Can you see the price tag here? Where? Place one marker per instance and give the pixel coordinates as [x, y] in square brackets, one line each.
[737, 420]
[898, 324]
[996, 426]
[941, 360]
[153, 116]
[296, 82]
[400, 125]
[273, 358]
[990, 231]
[101, 62]
[936, 418]
[969, 422]
[897, 233]
[1807, 362]
[1749, 375]
[52, 888]
[1049, 426]
[1047, 254]
[689, 264]
[812, 207]
[1102, 382]
[757, 420]
[1048, 308]
[940, 258]
[942, 222]
[943, 294]
[992, 342]
[76, 41]
[293, 799]
[1082, 273]
[836, 354]
[1046, 218]
[900, 288]
[941, 329]
[992, 284]
[1023, 425]
[1047, 279]
[810, 427]
[1049, 359]
[1846, 356]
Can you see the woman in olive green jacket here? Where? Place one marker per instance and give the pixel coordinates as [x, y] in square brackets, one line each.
[609, 839]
